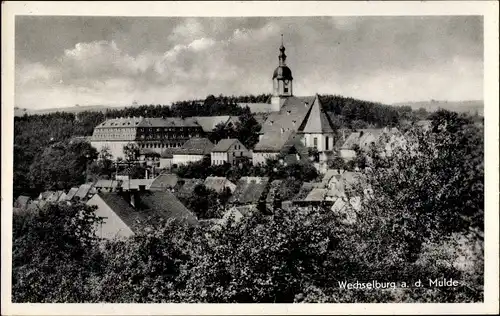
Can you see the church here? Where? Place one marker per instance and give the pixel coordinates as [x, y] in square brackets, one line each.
[292, 119]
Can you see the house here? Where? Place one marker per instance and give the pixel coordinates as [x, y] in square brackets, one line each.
[54, 197]
[22, 202]
[304, 191]
[250, 190]
[84, 192]
[166, 159]
[137, 184]
[270, 146]
[346, 208]
[104, 185]
[219, 184]
[185, 187]
[154, 134]
[193, 150]
[228, 151]
[236, 213]
[44, 195]
[208, 123]
[71, 194]
[128, 213]
[164, 182]
[382, 139]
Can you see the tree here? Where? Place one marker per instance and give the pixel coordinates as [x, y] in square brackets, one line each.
[62, 165]
[429, 188]
[53, 254]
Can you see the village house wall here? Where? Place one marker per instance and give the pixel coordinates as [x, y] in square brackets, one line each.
[112, 226]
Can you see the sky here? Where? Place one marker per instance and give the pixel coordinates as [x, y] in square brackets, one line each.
[62, 61]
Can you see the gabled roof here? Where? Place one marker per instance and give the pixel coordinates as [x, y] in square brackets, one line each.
[151, 209]
[290, 116]
[83, 191]
[249, 190]
[316, 195]
[71, 193]
[164, 181]
[305, 189]
[273, 141]
[237, 212]
[22, 201]
[317, 120]
[167, 122]
[195, 146]
[108, 184]
[45, 195]
[54, 197]
[218, 183]
[187, 186]
[224, 144]
[134, 184]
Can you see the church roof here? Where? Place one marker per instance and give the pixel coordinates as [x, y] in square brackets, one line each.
[273, 141]
[282, 72]
[316, 119]
[224, 144]
[290, 116]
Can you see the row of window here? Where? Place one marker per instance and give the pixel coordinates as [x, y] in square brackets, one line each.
[171, 145]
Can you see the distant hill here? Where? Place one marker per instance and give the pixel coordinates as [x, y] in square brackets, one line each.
[456, 106]
[72, 109]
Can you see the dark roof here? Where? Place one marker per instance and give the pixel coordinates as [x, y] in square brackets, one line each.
[164, 181]
[186, 186]
[71, 193]
[195, 146]
[167, 122]
[273, 141]
[306, 188]
[217, 183]
[290, 116]
[316, 119]
[224, 144]
[282, 72]
[108, 184]
[152, 208]
[22, 201]
[249, 190]
[83, 190]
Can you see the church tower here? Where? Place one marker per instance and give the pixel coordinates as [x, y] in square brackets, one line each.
[282, 81]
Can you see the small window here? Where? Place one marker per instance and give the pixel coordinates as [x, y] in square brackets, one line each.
[315, 141]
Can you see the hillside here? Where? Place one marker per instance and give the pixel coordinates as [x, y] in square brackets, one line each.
[72, 109]
[458, 106]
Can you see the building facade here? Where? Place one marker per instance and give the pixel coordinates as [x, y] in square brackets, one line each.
[152, 134]
[228, 151]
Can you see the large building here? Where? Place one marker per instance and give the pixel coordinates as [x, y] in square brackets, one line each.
[152, 134]
[292, 118]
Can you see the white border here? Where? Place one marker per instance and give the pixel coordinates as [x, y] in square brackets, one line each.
[488, 9]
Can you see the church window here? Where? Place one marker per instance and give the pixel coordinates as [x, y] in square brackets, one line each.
[327, 141]
[315, 141]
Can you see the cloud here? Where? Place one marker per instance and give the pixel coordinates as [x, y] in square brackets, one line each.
[381, 59]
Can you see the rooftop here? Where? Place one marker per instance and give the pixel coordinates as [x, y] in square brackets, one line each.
[151, 209]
